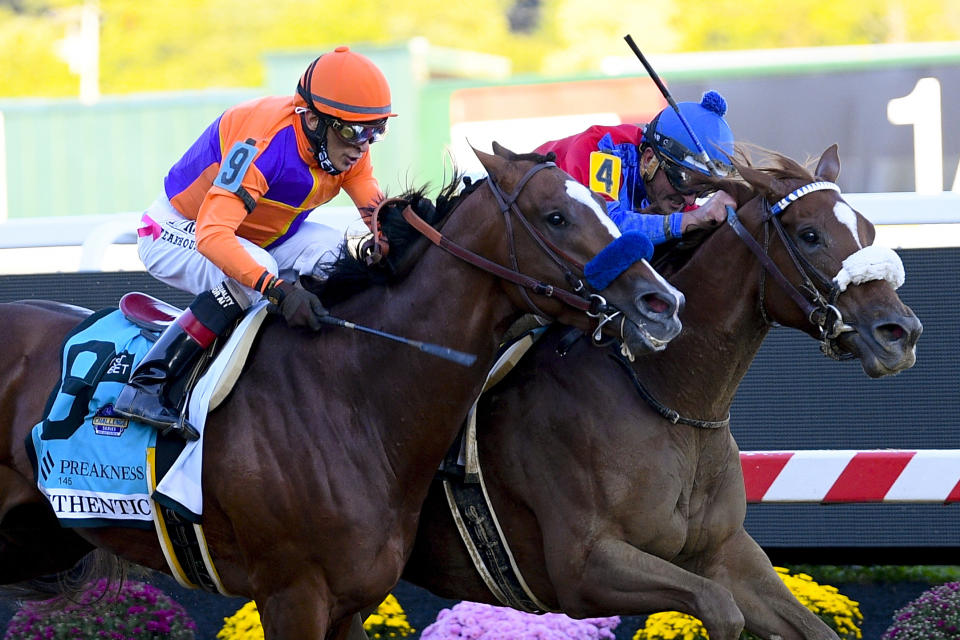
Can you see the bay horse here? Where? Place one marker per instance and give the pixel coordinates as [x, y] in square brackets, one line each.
[316, 465]
[612, 504]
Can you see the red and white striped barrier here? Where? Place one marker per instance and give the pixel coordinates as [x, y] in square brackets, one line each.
[831, 476]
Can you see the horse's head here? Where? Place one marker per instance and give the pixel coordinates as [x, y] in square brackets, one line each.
[553, 226]
[842, 288]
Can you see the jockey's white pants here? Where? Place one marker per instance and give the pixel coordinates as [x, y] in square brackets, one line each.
[171, 255]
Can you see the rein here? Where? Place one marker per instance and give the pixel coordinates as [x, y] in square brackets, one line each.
[593, 305]
[665, 411]
[508, 205]
[821, 312]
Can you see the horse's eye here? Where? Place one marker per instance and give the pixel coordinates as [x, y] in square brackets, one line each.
[809, 236]
[556, 219]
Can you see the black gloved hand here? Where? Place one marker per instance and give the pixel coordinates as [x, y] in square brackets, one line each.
[299, 307]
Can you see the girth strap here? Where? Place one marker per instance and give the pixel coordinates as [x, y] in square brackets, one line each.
[478, 526]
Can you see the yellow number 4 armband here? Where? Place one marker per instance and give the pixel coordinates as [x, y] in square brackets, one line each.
[605, 173]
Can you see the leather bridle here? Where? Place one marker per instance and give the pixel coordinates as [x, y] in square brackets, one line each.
[594, 305]
[819, 292]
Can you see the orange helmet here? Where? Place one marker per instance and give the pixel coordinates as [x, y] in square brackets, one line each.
[346, 85]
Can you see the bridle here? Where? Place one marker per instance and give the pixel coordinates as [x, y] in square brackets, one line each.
[818, 307]
[594, 305]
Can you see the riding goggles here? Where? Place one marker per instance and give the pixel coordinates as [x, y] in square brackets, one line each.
[677, 161]
[679, 178]
[357, 134]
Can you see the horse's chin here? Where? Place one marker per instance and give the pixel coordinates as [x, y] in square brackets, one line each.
[877, 361]
[637, 340]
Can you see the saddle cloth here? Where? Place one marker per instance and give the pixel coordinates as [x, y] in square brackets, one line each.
[98, 469]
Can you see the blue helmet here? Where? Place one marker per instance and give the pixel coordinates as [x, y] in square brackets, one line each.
[670, 140]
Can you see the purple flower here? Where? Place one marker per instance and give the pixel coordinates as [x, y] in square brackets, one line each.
[934, 615]
[128, 611]
[474, 621]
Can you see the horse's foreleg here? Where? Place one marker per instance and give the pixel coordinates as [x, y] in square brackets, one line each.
[295, 612]
[616, 576]
[350, 629]
[769, 608]
[354, 630]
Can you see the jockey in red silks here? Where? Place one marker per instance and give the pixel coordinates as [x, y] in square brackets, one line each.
[649, 166]
[232, 215]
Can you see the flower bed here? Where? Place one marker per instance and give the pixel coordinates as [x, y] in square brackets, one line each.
[474, 621]
[934, 615]
[839, 612]
[389, 621]
[133, 611]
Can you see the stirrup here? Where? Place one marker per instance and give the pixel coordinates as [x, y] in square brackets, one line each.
[181, 428]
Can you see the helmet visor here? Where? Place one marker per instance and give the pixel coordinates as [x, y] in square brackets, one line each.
[680, 178]
[670, 150]
[358, 133]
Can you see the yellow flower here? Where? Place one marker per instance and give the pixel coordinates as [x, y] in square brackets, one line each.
[389, 621]
[838, 611]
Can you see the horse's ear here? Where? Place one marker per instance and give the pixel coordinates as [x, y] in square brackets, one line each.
[829, 166]
[491, 163]
[502, 151]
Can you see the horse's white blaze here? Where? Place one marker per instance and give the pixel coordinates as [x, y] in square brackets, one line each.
[583, 195]
[848, 218]
[871, 263]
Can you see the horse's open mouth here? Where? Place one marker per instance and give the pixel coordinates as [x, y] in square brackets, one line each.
[887, 350]
[637, 337]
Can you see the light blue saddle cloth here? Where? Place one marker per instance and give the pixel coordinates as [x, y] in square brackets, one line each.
[90, 464]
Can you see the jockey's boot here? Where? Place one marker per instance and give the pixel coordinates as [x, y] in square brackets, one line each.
[145, 398]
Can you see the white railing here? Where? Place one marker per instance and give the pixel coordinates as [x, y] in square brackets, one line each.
[94, 235]
[904, 220]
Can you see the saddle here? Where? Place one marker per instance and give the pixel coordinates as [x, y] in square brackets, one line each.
[148, 312]
[154, 315]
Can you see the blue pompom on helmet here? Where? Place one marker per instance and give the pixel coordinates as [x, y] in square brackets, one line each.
[670, 140]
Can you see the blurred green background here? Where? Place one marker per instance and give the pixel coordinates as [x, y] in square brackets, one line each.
[86, 133]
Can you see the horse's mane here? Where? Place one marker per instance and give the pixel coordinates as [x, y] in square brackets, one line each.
[671, 256]
[350, 273]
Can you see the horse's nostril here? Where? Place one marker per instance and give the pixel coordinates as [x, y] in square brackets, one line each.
[890, 332]
[655, 303]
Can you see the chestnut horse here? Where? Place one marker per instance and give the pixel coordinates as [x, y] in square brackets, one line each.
[609, 507]
[318, 462]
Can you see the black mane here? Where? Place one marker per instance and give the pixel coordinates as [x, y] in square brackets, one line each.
[350, 274]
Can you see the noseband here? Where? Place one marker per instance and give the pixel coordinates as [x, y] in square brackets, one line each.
[593, 305]
[819, 308]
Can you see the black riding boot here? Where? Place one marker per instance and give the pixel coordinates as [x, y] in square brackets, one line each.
[145, 398]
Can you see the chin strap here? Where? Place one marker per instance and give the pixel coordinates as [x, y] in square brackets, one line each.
[318, 142]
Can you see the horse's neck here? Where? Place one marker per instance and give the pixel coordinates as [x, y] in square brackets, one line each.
[419, 399]
[699, 372]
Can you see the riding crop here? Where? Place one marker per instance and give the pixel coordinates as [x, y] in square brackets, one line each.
[459, 357]
[673, 103]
